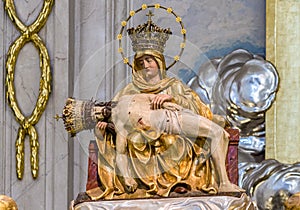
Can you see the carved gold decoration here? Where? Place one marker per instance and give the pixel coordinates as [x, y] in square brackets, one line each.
[7, 203]
[28, 34]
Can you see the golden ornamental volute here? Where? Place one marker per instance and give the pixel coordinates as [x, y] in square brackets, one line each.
[28, 34]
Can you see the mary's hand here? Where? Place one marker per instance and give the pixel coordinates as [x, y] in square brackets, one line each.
[102, 125]
[159, 99]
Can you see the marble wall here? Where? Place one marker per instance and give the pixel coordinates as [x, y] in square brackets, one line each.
[81, 40]
[283, 41]
[49, 190]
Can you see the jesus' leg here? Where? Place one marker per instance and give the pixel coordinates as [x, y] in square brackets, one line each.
[197, 126]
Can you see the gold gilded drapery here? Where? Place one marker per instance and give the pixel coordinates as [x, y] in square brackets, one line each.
[28, 34]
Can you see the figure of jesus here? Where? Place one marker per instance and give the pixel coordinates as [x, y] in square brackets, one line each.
[135, 113]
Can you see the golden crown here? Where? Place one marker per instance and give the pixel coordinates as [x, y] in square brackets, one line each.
[149, 36]
[79, 115]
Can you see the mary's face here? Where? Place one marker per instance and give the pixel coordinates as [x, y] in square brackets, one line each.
[149, 67]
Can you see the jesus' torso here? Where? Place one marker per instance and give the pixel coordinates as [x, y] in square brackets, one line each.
[134, 112]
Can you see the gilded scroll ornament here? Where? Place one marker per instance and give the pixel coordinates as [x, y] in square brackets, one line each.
[28, 34]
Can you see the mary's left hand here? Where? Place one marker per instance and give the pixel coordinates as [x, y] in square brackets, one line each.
[159, 99]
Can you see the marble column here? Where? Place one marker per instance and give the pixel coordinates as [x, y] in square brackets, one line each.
[282, 49]
[50, 189]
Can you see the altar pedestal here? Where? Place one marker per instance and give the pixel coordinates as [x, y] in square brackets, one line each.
[182, 203]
